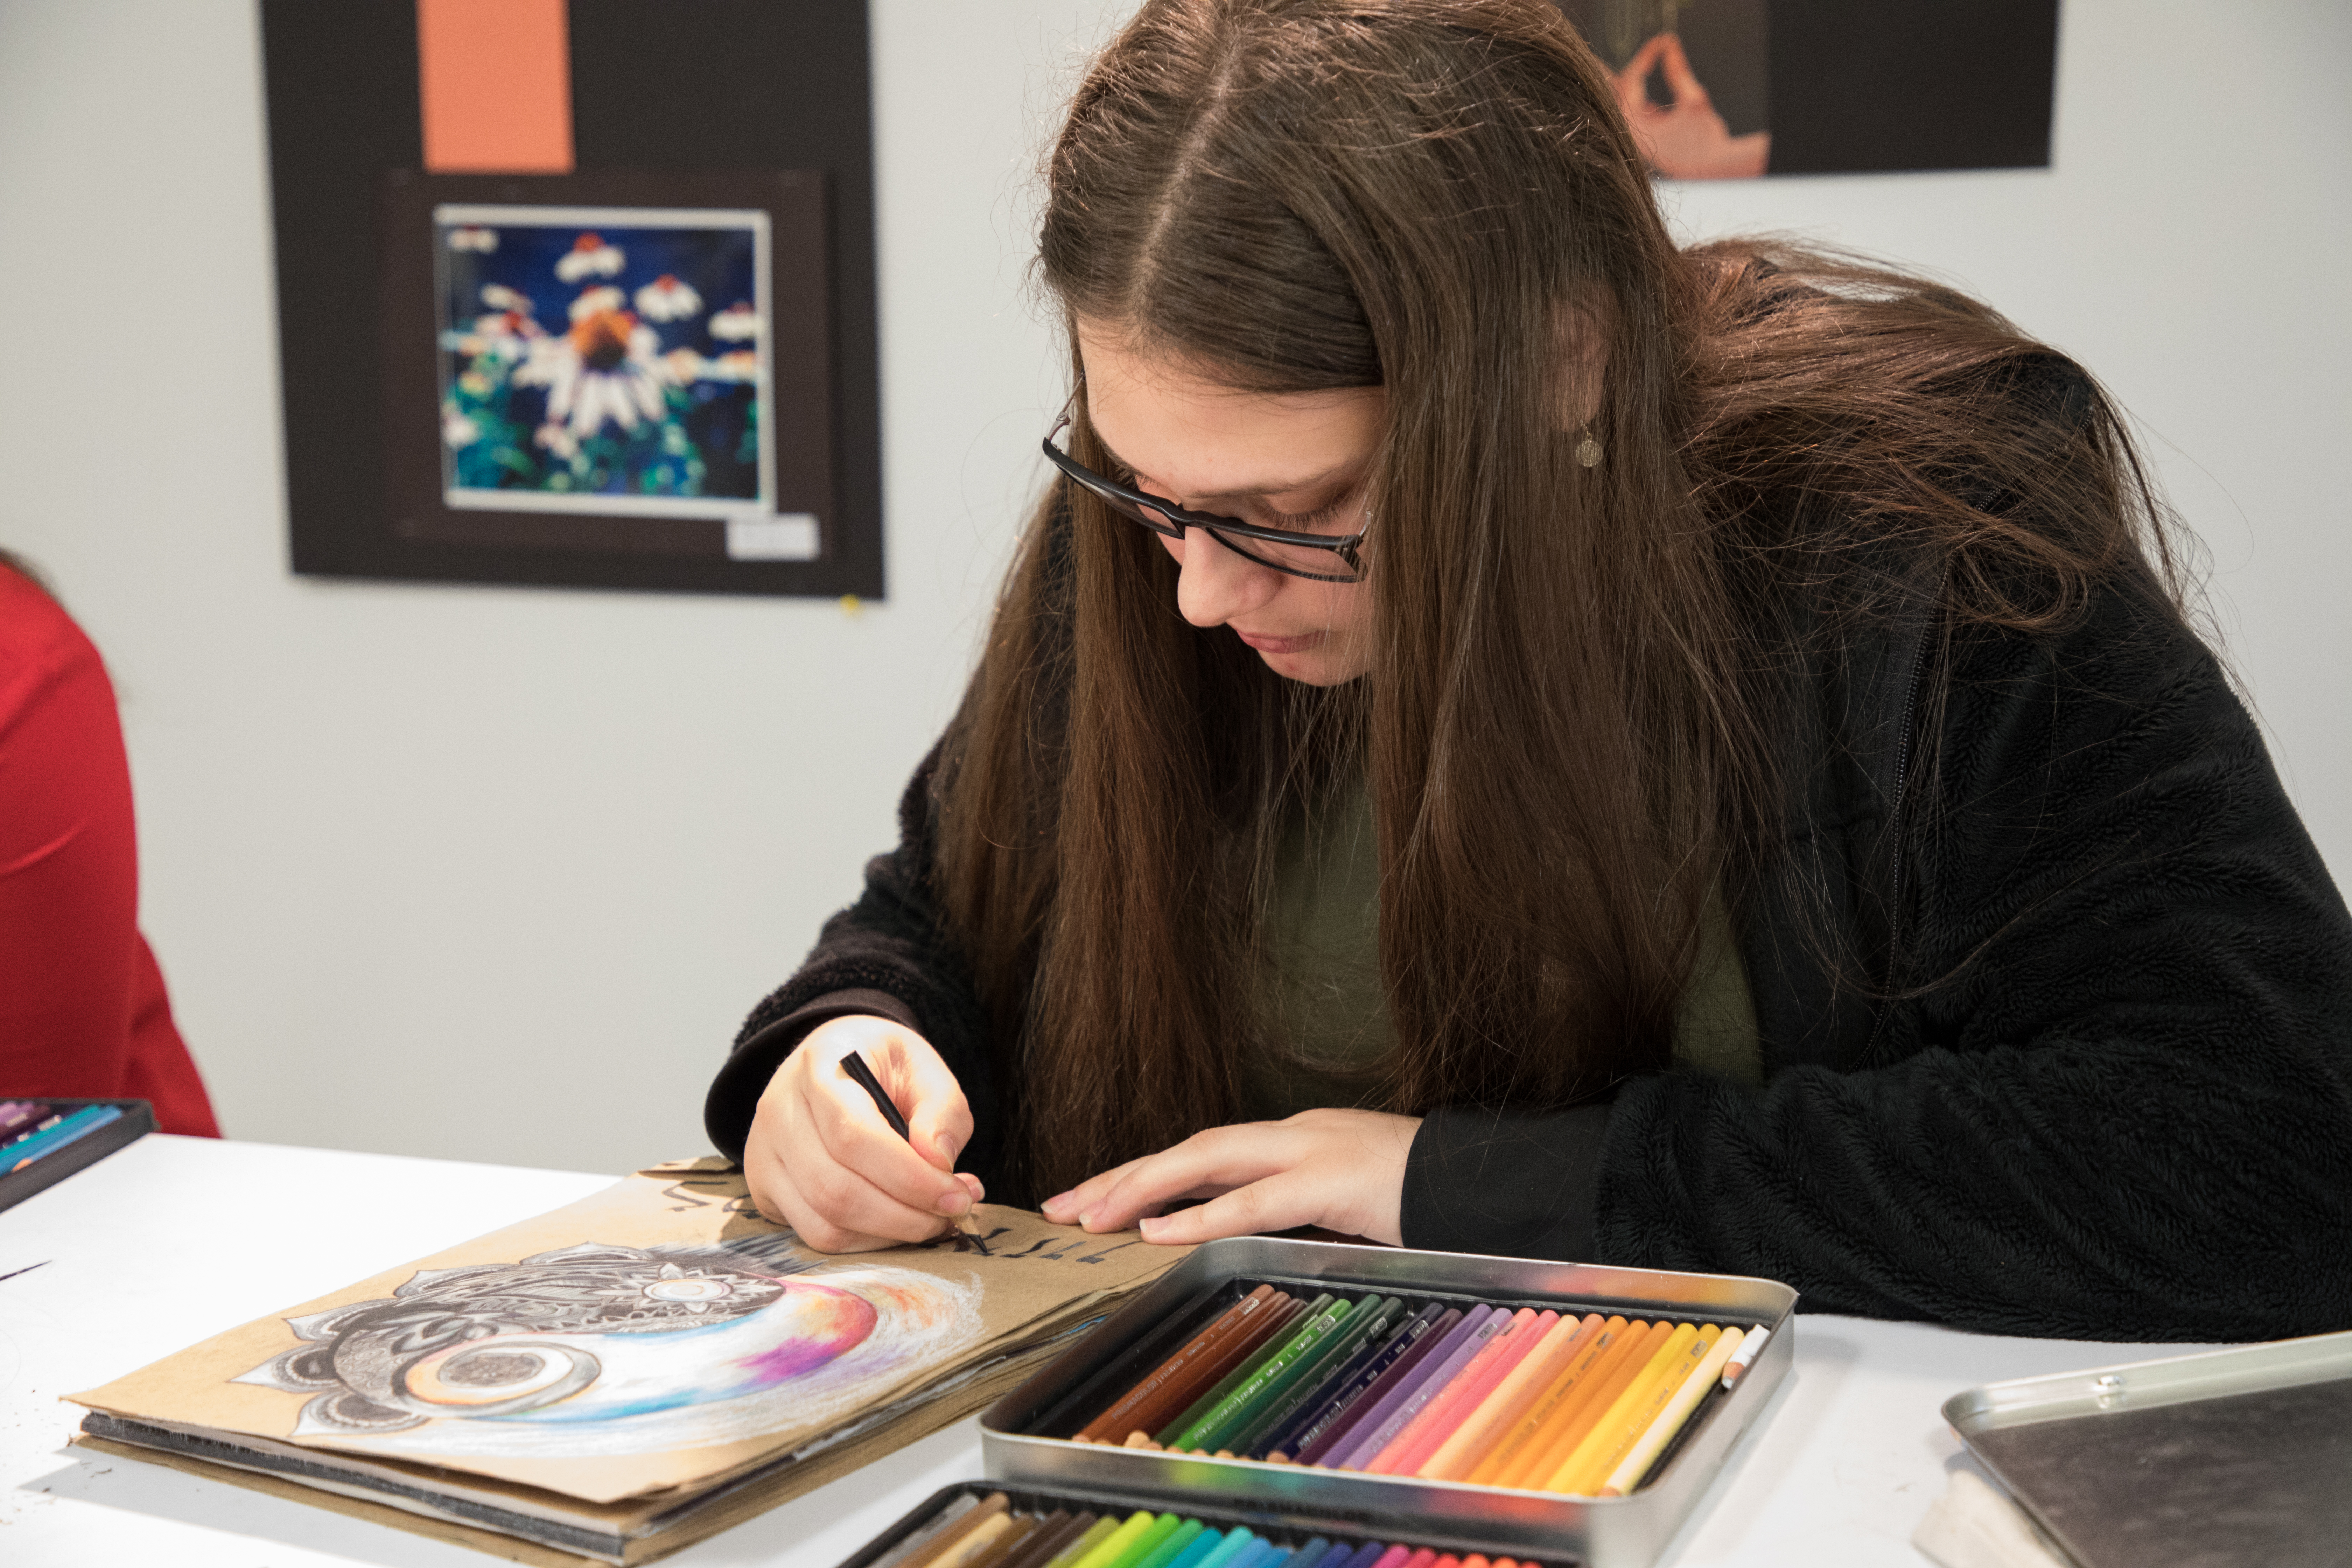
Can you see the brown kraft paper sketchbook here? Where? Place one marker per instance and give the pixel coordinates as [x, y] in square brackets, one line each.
[621, 1377]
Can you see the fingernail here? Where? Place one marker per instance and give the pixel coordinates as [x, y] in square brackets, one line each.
[956, 1202]
[1059, 1200]
[1151, 1228]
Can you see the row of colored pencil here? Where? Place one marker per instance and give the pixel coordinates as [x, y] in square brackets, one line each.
[32, 1128]
[973, 1531]
[1528, 1397]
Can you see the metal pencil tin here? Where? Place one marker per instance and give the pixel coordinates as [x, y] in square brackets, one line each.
[2230, 1455]
[1282, 1529]
[1605, 1532]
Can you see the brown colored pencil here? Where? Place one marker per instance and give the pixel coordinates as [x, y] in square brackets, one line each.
[1180, 1393]
[944, 1544]
[1106, 1428]
[1006, 1545]
[1054, 1532]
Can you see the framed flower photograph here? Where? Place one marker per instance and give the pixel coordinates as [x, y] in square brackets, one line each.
[606, 360]
[602, 314]
[632, 367]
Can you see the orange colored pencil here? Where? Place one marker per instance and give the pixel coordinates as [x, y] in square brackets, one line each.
[1459, 1453]
[1625, 1362]
[1584, 1470]
[1502, 1461]
[1439, 1417]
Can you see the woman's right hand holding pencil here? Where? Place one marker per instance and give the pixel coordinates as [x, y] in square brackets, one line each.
[821, 1160]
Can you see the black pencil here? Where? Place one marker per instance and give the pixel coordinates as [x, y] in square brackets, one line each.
[855, 1065]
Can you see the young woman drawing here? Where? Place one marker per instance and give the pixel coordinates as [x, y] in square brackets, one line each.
[1505, 735]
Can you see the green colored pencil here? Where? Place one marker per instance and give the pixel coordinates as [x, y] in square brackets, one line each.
[1371, 1314]
[1166, 1436]
[1228, 1411]
[1093, 1537]
[1169, 1549]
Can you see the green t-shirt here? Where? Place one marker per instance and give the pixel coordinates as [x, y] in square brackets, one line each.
[1319, 988]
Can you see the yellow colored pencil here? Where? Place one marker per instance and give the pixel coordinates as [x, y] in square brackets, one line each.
[1118, 1541]
[1460, 1454]
[1647, 1394]
[1645, 1452]
[1585, 1402]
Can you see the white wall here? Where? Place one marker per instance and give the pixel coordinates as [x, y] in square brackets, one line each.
[492, 873]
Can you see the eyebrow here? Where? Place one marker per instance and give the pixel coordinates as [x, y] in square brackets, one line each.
[1283, 489]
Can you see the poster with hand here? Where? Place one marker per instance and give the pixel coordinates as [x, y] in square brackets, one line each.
[1721, 90]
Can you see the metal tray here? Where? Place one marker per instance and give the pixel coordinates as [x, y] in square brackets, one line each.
[1285, 1529]
[1606, 1532]
[2239, 1456]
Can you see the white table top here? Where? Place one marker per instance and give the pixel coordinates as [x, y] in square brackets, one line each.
[175, 1239]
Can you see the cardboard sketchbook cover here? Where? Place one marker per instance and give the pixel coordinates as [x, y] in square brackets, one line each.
[657, 1337]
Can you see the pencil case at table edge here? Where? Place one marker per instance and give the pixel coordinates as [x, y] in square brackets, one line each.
[138, 1120]
[1607, 1532]
[1217, 1515]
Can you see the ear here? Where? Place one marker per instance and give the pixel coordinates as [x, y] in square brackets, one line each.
[1580, 333]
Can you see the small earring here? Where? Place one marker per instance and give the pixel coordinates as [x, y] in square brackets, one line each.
[1588, 450]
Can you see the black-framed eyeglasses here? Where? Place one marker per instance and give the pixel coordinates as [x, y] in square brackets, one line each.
[1310, 555]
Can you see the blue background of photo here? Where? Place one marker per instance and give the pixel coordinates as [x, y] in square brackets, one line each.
[706, 443]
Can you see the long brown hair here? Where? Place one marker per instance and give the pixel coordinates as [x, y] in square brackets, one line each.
[1568, 725]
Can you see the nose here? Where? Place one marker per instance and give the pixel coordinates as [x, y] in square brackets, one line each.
[1215, 584]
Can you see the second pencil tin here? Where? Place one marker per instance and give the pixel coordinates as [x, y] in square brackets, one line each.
[1605, 1532]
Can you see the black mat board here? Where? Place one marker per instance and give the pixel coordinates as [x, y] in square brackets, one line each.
[716, 84]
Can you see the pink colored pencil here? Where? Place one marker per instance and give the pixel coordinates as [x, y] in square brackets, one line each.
[1394, 1557]
[1391, 1456]
[1458, 1457]
[1479, 1381]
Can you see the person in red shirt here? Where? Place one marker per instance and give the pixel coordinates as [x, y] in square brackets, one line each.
[83, 1014]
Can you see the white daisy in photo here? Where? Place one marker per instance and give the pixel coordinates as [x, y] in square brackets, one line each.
[739, 366]
[555, 439]
[607, 368]
[458, 431]
[668, 299]
[480, 240]
[598, 302]
[684, 365]
[590, 257]
[498, 297]
[506, 333]
[737, 323]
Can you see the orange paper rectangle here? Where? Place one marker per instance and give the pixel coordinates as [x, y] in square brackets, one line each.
[494, 86]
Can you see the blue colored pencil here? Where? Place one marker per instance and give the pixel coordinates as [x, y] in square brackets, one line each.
[89, 1119]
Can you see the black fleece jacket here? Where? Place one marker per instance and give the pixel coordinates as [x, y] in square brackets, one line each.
[2054, 996]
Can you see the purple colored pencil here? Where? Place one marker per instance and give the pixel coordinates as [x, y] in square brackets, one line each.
[17, 1114]
[1398, 1364]
[1404, 1401]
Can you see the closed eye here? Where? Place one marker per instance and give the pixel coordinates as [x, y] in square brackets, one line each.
[1320, 519]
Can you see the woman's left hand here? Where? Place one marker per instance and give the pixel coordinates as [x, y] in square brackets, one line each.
[1343, 1170]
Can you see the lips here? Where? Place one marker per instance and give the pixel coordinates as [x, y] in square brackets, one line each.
[1274, 645]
